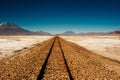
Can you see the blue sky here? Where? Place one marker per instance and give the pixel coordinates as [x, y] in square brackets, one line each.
[57, 16]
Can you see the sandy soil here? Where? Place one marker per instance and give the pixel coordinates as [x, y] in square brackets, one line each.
[25, 65]
[108, 46]
[9, 45]
[82, 64]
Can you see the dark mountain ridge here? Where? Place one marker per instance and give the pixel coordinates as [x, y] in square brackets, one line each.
[69, 33]
[8, 28]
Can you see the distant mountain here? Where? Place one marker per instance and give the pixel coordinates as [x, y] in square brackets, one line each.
[115, 32]
[7, 28]
[43, 33]
[93, 33]
[68, 33]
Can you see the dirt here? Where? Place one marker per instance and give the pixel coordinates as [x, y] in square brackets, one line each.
[25, 65]
[56, 68]
[107, 46]
[0, 53]
[10, 44]
[82, 64]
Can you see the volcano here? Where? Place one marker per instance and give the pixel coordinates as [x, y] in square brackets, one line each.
[8, 28]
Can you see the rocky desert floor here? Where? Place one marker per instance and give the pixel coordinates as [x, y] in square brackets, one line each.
[108, 46]
[9, 45]
[59, 59]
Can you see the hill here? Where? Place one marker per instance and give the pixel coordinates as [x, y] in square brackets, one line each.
[7, 28]
[68, 33]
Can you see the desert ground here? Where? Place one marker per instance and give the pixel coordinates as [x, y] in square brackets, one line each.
[9, 45]
[56, 58]
[108, 46]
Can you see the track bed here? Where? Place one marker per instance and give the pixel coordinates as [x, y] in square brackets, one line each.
[58, 59]
[56, 66]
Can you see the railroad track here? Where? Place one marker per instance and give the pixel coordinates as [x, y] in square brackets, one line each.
[25, 65]
[58, 59]
[86, 65]
[55, 65]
